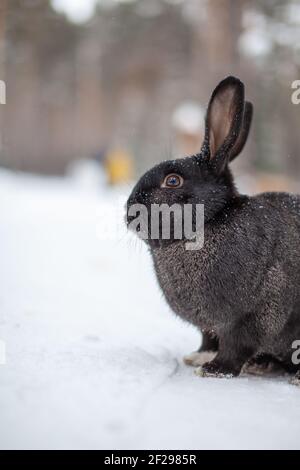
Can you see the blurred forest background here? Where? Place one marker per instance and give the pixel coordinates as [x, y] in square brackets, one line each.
[134, 77]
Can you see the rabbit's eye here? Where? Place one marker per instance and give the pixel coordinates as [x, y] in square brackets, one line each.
[172, 181]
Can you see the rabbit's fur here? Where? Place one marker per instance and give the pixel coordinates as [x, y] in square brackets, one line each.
[241, 289]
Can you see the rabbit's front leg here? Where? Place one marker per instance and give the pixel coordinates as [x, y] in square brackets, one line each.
[205, 353]
[236, 347]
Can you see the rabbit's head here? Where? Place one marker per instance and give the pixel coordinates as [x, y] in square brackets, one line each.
[203, 178]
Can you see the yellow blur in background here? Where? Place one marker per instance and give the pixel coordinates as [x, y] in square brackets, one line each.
[119, 166]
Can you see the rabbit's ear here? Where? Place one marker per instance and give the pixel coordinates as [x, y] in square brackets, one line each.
[243, 135]
[223, 122]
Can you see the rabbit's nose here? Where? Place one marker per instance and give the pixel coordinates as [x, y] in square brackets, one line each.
[135, 198]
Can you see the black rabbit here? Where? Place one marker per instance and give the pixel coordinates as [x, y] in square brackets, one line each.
[241, 289]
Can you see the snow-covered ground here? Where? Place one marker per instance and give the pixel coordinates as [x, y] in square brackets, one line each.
[94, 355]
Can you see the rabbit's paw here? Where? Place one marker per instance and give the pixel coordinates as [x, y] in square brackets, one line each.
[296, 379]
[196, 358]
[215, 369]
[262, 365]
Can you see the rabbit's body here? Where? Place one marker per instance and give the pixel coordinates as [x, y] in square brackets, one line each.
[234, 278]
[242, 288]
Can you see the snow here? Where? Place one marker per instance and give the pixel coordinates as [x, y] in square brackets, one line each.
[93, 353]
